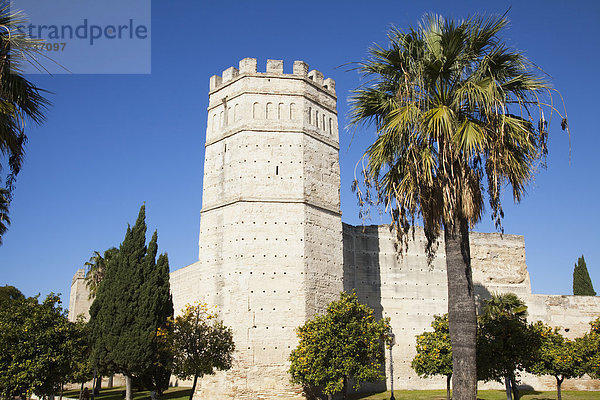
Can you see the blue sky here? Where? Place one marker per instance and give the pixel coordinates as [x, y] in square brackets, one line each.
[112, 142]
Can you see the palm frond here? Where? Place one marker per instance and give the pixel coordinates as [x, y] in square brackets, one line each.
[20, 100]
[453, 106]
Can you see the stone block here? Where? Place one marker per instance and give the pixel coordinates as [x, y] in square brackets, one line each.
[215, 81]
[229, 74]
[247, 66]
[300, 68]
[316, 76]
[275, 66]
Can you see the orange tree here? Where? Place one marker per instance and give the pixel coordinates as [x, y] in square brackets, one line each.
[37, 344]
[346, 342]
[590, 349]
[556, 356]
[201, 343]
[434, 352]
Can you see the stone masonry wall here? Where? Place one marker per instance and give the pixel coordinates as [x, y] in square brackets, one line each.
[409, 291]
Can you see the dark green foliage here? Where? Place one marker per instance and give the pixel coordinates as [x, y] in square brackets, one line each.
[9, 293]
[131, 304]
[582, 284]
[345, 343]
[505, 343]
[37, 343]
[81, 369]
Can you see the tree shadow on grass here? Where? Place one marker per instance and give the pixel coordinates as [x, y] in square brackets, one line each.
[357, 396]
[174, 393]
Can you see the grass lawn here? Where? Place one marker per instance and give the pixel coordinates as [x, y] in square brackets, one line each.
[182, 393]
[482, 395]
[173, 393]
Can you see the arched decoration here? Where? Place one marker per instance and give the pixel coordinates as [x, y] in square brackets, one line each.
[270, 111]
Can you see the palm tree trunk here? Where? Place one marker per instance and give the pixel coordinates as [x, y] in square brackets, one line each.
[462, 318]
[193, 386]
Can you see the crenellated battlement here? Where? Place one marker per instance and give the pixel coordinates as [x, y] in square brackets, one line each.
[80, 274]
[248, 66]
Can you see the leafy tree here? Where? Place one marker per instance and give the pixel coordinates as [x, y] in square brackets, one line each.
[8, 294]
[582, 284]
[506, 344]
[36, 343]
[81, 370]
[131, 305]
[201, 343]
[20, 100]
[346, 342]
[556, 356]
[590, 349]
[434, 352]
[454, 108]
[96, 268]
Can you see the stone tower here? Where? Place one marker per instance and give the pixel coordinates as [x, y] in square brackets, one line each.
[270, 231]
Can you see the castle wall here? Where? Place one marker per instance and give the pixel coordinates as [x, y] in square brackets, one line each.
[498, 263]
[404, 288]
[273, 251]
[409, 291]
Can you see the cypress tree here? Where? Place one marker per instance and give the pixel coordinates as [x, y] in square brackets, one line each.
[582, 284]
[132, 302]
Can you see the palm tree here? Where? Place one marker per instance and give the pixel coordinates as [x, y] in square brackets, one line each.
[96, 268]
[506, 315]
[504, 305]
[20, 100]
[455, 109]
